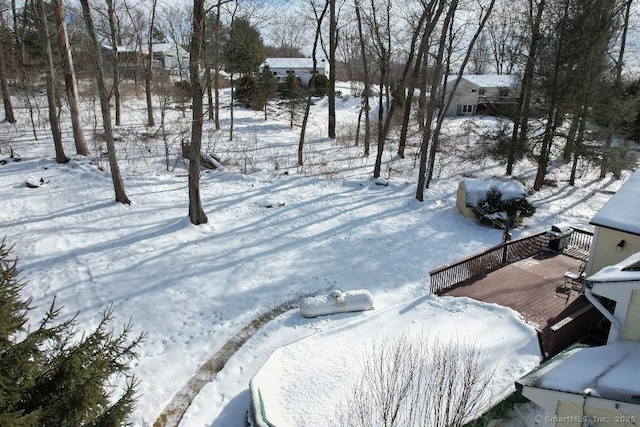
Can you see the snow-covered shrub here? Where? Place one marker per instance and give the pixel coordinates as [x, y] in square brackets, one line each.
[494, 210]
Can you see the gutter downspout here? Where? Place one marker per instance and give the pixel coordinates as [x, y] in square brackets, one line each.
[615, 323]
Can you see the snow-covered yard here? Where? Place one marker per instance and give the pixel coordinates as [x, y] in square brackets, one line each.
[191, 288]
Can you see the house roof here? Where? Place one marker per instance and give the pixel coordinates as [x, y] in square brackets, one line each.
[624, 271]
[607, 372]
[292, 63]
[621, 211]
[476, 189]
[157, 47]
[488, 80]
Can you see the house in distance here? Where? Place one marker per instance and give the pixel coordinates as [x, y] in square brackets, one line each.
[482, 94]
[299, 67]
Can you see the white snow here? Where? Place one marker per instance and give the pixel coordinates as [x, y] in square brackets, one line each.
[620, 213]
[192, 287]
[608, 371]
[296, 392]
[477, 189]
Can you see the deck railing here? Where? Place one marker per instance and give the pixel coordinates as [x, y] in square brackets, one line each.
[446, 277]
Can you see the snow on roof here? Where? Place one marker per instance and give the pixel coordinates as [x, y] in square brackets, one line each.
[625, 271]
[477, 189]
[621, 211]
[488, 80]
[609, 372]
[292, 63]
[157, 47]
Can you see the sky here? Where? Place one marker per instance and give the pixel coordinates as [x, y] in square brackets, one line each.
[191, 288]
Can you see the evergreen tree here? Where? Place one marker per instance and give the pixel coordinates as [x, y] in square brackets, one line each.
[49, 377]
[267, 89]
[292, 93]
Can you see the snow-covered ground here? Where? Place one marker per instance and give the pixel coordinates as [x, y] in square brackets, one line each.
[191, 288]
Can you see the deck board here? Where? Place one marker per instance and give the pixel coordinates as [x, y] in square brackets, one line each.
[528, 286]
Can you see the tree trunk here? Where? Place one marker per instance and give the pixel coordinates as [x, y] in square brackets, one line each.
[51, 88]
[445, 104]
[332, 69]
[571, 138]
[6, 97]
[196, 212]
[367, 81]
[216, 68]
[118, 184]
[311, 85]
[578, 145]
[115, 63]
[69, 78]
[436, 80]
[521, 121]
[231, 105]
[148, 73]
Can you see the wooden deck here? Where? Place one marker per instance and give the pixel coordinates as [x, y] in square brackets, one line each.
[530, 286]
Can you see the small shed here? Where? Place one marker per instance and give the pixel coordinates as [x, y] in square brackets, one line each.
[471, 191]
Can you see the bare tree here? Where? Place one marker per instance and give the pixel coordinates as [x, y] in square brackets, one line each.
[364, 106]
[521, 122]
[69, 77]
[51, 84]
[148, 70]
[419, 382]
[118, 184]
[196, 212]
[115, 62]
[311, 89]
[333, 41]
[4, 87]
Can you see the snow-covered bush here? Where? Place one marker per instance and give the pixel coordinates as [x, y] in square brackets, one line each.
[494, 210]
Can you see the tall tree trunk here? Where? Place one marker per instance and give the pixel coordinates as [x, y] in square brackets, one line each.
[4, 87]
[332, 69]
[617, 84]
[307, 106]
[115, 63]
[69, 78]
[148, 72]
[196, 212]
[571, 138]
[231, 105]
[446, 103]
[578, 144]
[521, 121]
[436, 79]
[51, 88]
[118, 184]
[384, 58]
[216, 68]
[367, 81]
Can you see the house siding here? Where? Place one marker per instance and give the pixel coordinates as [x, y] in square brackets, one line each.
[463, 96]
[575, 415]
[631, 326]
[604, 248]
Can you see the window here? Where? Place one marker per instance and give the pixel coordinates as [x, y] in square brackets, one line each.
[467, 108]
[481, 92]
[504, 93]
[473, 90]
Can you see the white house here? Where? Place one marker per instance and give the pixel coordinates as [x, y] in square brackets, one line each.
[600, 386]
[481, 94]
[299, 67]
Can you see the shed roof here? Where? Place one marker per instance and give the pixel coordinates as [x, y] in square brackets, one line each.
[621, 211]
[608, 372]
